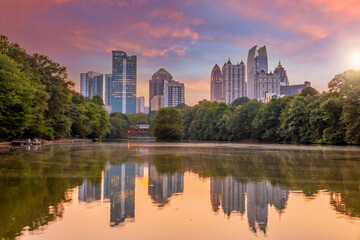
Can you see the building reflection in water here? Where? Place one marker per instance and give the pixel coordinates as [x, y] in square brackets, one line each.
[162, 186]
[118, 186]
[89, 192]
[232, 194]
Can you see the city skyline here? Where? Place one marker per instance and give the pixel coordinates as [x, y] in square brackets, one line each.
[314, 39]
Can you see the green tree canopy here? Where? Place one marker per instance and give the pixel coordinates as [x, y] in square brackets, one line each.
[168, 125]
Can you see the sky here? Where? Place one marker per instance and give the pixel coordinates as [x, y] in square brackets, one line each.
[314, 39]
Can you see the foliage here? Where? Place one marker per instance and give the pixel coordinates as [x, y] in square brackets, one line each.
[308, 117]
[119, 124]
[168, 125]
[37, 100]
[138, 118]
[240, 124]
[240, 101]
[209, 121]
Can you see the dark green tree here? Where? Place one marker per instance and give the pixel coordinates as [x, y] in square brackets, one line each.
[240, 124]
[168, 125]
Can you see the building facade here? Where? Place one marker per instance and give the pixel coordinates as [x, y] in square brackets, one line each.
[291, 89]
[266, 83]
[156, 84]
[123, 97]
[284, 80]
[91, 84]
[140, 104]
[173, 93]
[256, 62]
[108, 89]
[234, 81]
[157, 102]
[164, 91]
[216, 84]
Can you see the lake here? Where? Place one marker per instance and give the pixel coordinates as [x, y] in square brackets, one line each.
[139, 190]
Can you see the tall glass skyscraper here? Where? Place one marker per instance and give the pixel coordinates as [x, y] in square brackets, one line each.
[123, 97]
[108, 89]
[257, 61]
[91, 84]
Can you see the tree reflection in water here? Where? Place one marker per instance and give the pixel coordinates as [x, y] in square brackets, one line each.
[35, 183]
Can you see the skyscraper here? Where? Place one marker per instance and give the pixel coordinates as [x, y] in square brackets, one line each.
[140, 102]
[284, 81]
[108, 89]
[164, 91]
[91, 84]
[123, 83]
[266, 83]
[216, 83]
[174, 93]
[257, 61]
[156, 84]
[234, 81]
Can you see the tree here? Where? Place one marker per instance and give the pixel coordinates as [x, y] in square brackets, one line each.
[168, 125]
[351, 108]
[16, 98]
[138, 118]
[240, 101]
[209, 121]
[240, 124]
[267, 120]
[119, 124]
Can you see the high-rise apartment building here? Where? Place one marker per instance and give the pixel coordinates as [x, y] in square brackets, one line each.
[266, 83]
[164, 91]
[91, 84]
[234, 81]
[123, 83]
[140, 104]
[108, 89]
[216, 84]
[256, 62]
[156, 84]
[174, 93]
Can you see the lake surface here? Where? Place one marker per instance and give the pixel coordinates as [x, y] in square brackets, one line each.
[134, 190]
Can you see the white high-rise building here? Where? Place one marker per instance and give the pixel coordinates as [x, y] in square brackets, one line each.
[234, 81]
[266, 84]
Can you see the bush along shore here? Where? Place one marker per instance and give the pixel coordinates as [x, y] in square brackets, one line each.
[37, 101]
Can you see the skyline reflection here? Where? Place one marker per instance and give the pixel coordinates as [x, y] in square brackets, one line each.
[133, 182]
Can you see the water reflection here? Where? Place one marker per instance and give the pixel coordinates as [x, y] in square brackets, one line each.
[163, 186]
[233, 195]
[247, 182]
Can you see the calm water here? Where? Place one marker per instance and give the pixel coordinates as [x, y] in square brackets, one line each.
[179, 191]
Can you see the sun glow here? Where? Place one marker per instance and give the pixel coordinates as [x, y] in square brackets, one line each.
[356, 60]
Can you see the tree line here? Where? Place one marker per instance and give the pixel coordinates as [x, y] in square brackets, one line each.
[331, 117]
[37, 100]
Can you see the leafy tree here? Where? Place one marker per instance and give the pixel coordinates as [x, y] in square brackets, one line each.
[16, 99]
[267, 120]
[350, 90]
[209, 121]
[138, 118]
[240, 124]
[119, 124]
[309, 91]
[97, 118]
[168, 125]
[240, 101]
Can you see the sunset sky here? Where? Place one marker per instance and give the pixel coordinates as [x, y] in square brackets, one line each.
[314, 39]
